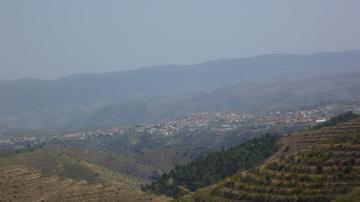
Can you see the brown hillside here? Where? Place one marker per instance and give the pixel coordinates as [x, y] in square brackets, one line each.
[21, 184]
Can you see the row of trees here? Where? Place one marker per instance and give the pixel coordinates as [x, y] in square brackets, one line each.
[214, 166]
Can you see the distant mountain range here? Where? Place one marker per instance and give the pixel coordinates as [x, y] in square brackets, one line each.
[267, 96]
[154, 93]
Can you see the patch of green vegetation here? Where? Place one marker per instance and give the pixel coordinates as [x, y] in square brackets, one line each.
[214, 167]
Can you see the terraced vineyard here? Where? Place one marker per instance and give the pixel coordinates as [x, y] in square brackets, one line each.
[51, 174]
[57, 161]
[314, 165]
[21, 184]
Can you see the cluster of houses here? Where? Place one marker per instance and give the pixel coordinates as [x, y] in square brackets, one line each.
[218, 121]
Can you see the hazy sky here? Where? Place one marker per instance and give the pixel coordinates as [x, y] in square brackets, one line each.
[53, 38]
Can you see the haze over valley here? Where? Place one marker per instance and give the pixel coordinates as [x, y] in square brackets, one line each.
[188, 101]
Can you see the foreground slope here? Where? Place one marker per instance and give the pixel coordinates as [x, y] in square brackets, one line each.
[48, 173]
[22, 184]
[51, 160]
[314, 165]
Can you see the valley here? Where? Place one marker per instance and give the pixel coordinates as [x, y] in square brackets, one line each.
[160, 133]
[179, 101]
[147, 150]
[130, 157]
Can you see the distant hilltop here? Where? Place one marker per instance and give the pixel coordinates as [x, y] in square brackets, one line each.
[153, 93]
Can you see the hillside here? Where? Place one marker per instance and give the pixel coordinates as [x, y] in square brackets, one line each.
[51, 160]
[51, 173]
[142, 154]
[153, 93]
[314, 165]
[171, 79]
[213, 166]
[22, 184]
[249, 97]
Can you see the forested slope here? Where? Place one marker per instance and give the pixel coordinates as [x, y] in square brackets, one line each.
[214, 166]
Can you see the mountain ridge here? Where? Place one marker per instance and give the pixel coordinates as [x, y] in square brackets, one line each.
[38, 103]
[321, 53]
